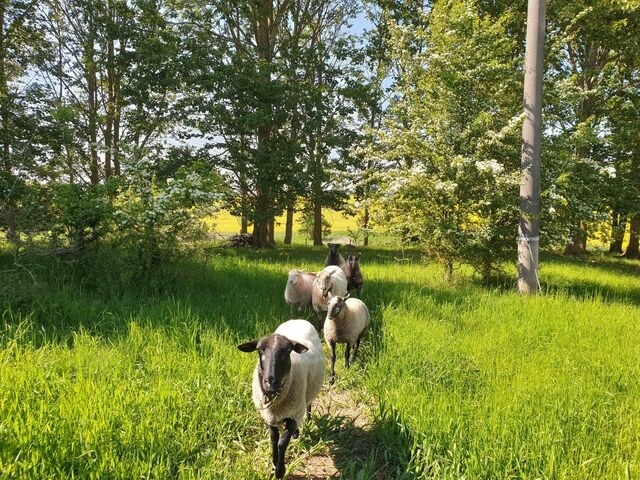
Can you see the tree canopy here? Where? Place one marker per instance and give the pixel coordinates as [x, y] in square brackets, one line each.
[129, 120]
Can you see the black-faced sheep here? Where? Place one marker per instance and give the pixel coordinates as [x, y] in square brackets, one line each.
[328, 283]
[297, 293]
[287, 378]
[352, 271]
[346, 322]
[333, 257]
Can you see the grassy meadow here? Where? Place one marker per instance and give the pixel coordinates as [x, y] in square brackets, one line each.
[102, 377]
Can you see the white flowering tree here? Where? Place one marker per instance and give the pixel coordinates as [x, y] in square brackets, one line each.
[154, 214]
[452, 137]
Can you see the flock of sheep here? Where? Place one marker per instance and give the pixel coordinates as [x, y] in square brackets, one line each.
[290, 370]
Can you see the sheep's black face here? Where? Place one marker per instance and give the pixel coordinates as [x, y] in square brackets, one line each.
[353, 262]
[274, 363]
[333, 247]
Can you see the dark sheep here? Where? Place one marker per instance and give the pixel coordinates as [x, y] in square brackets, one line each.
[333, 257]
[352, 271]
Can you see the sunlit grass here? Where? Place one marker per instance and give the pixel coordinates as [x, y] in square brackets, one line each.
[107, 380]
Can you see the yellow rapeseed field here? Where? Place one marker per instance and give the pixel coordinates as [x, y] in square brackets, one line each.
[225, 223]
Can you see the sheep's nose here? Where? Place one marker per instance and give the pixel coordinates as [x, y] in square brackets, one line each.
[270, 385]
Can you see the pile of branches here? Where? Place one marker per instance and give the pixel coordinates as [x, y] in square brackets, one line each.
[240, 240]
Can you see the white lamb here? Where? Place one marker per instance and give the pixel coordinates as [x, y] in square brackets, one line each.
[287, 378]
[330, 282]
[346, 322]
[297, 293]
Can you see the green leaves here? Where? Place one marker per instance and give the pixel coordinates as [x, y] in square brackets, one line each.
[452, 191]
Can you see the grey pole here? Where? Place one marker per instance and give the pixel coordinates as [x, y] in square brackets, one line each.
[529, 228]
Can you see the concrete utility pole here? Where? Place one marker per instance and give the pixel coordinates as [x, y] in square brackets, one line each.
[529, 229]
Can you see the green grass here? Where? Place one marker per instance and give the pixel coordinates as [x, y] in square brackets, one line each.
[103, 376]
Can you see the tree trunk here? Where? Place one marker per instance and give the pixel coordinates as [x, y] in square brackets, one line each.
[262, 226]
[633, 250]
[578, 244]
[9, 212]
[92, 100]
[117, 108]
[110, 105]
[317, 224]
[618, 226]
[4, 97]
[448, 269]
[365, 226]
[588, 61]
[244, 223]
[264, 37]
[288, 229]
[272, 231]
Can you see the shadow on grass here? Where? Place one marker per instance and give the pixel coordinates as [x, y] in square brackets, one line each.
[589, 277]
[586, 277]
[380, 450]
[239, 291]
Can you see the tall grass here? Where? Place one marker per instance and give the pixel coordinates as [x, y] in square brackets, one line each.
[105, 376]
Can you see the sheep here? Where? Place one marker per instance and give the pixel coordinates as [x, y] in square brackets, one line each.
[297, 293]
[346, 322]
[287, 378]
[333, 257]
[351, 269]
[329, 282]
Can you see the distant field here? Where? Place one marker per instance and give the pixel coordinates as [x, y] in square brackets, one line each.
[226, 223]
[342, 227]
[103, 377]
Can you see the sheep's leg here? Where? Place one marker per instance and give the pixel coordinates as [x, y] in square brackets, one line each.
[274, 433]
[355, 351]
[291, 429]
[332, 373]
[347, 356]
[319, 319]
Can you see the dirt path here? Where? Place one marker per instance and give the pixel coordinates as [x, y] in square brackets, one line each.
[343, 427]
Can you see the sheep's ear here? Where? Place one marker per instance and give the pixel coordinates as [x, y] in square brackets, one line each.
[347, 295]
[248, 347]
[299, 348]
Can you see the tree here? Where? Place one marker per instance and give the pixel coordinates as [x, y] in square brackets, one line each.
[20, 47]
[456, 151]
[587, 41]
[263, 95]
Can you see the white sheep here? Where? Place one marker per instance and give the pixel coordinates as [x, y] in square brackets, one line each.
[287, 378]
[297, 293]
[346, 322]
[329, 282]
